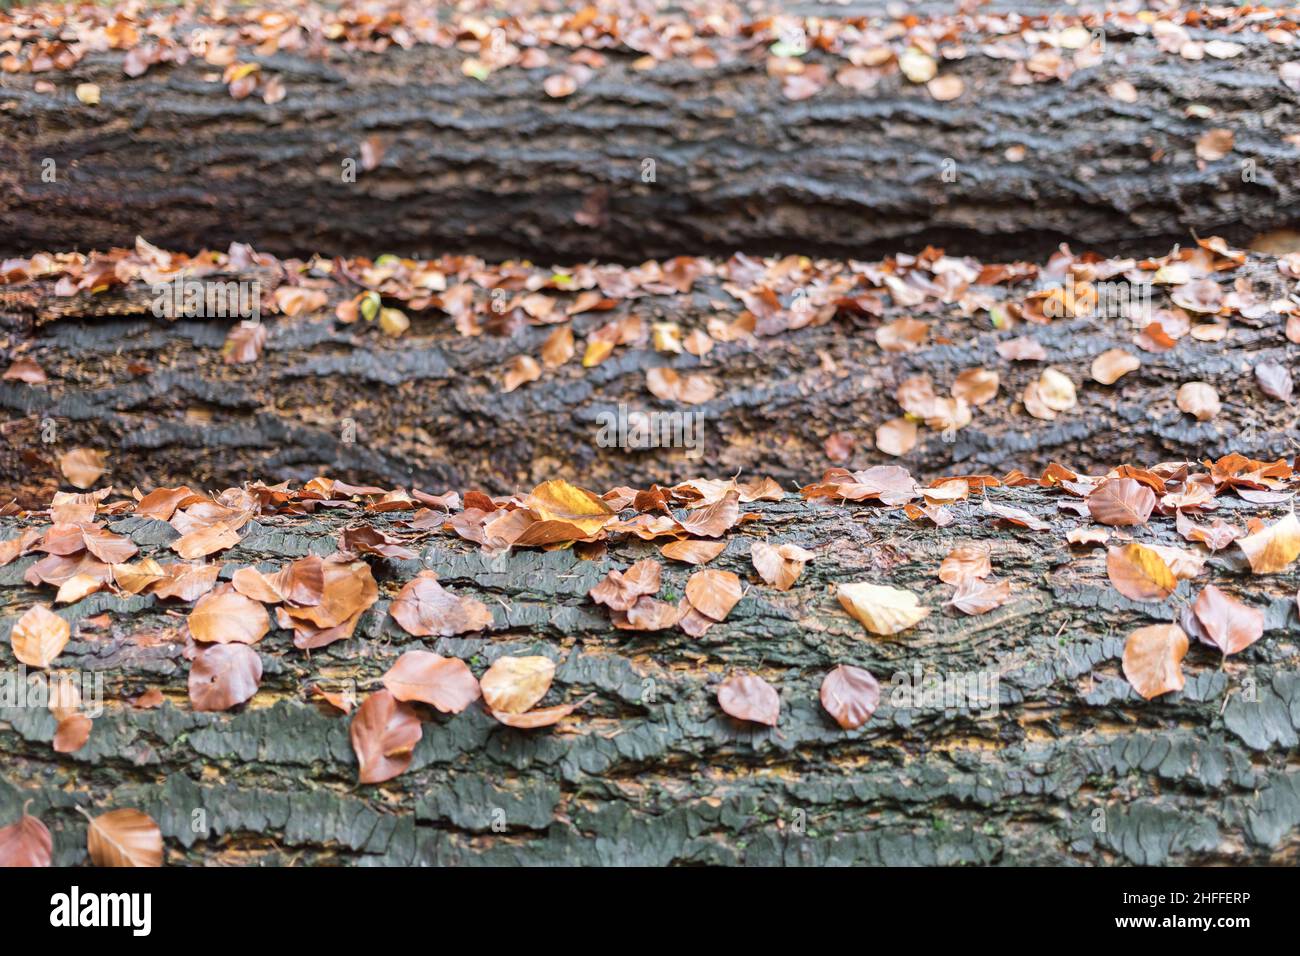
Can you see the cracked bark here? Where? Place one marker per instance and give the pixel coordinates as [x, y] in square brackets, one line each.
[156, 395]
[1071, 768]
[498, 168]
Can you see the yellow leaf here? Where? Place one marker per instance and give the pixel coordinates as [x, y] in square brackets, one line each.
[881, 610]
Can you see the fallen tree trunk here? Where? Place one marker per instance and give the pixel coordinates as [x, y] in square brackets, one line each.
[1070, 766]
[428, 408]
[705, 152]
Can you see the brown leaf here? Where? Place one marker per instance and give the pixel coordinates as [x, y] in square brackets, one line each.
[1228, 624]
[185, 582]
[1153, 659]
[223, 616]
[161, 503]
[123, 838]
[518, 371]
[384, 733]
[1273, 548]
[543, 717]
[1274, 380]
[689, 389]
[713, 593]
[976, 386]
[1215, 144]
[445, 683]
[25, 843]
[39, 636]
[620, 590]
[1216, 536]
[693, 551]
[1113, 364]
[224, 675]
[513, 684]
[83, 466]
[72, 733]
[1023, 349]
[206, 540]
[979, 597]
[244, 343]
[108, 547]
[1199, 400]
[965, 563]
[647, 614]
[895, 437]
[781, 565]
[748, 697]
[1121, 502]
[712, 521]
[850, 695]
[558, 347]
[1139, 573]
[424, 608]
[881, 610]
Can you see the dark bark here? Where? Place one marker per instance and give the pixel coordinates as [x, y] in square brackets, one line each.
[1072, 767]
[499, 168]
[157, 396]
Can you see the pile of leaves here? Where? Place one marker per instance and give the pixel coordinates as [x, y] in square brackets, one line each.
[321, 599]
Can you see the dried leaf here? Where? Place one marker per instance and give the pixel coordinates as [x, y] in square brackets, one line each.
[224, 616]
[124, 838]
[713, 593]
[850, 695]
[83, 466]
[1199, 400]
[1153, 659]
[206, 540]
[692, 551]
[512, 685]
[779, 566]
[1228, 624]
[384, 733]
[1273, 548]
[1113, 364]
[895, 437]
[1139, 573]
[72, 733]
[25, 843]
[424, 608]
[979, 597]
[39, 636]
[620, 590]
[748, 697]
[965, 563]
[880, 609]
[445, 683]
[224, 675]
[1121, 502]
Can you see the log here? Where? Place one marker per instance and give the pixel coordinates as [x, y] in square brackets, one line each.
[428, 408]
[497, 167]
[1069, 767]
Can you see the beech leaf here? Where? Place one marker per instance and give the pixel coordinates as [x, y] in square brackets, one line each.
[850, 695]
[749, 697]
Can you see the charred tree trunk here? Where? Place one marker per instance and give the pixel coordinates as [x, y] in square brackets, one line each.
[499, 168]
[1070, 767]
[428, 408]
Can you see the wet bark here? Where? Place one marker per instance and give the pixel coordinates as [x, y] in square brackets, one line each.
[1069, 767]
[498, 168]
[428, 409]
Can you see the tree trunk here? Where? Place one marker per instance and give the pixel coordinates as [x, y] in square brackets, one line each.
[499, 168]
[428, 409]
[1069, 767]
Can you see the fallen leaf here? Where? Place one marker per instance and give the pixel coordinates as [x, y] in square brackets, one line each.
[1121, 502]
[206, 540]
[518, 371]
[223, 616]
[1139, 573]
[713, 593]
[945, 88]
[424, 608]
[384, 732]
[512, 685]
[1198, 399]
[965, 563]
[976, 386]
[1113, 364]
[748, 697]
[1214, 145]
[620, 590]
[880, 609]
[39, 636]
[895, 437]
[779, 566]
[445, 683]
[1274, 381]
[83, 466]
[124, 838]
[850, 695]
[1229, 625]
[980, 596]
[224, 675]
[1273, 548]
[1153, 659]
[72, 733]
[693, 551]
[26, 843]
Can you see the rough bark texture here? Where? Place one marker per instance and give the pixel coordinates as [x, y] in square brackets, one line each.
[1072, 767]
[428, 409]
[499, 168]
